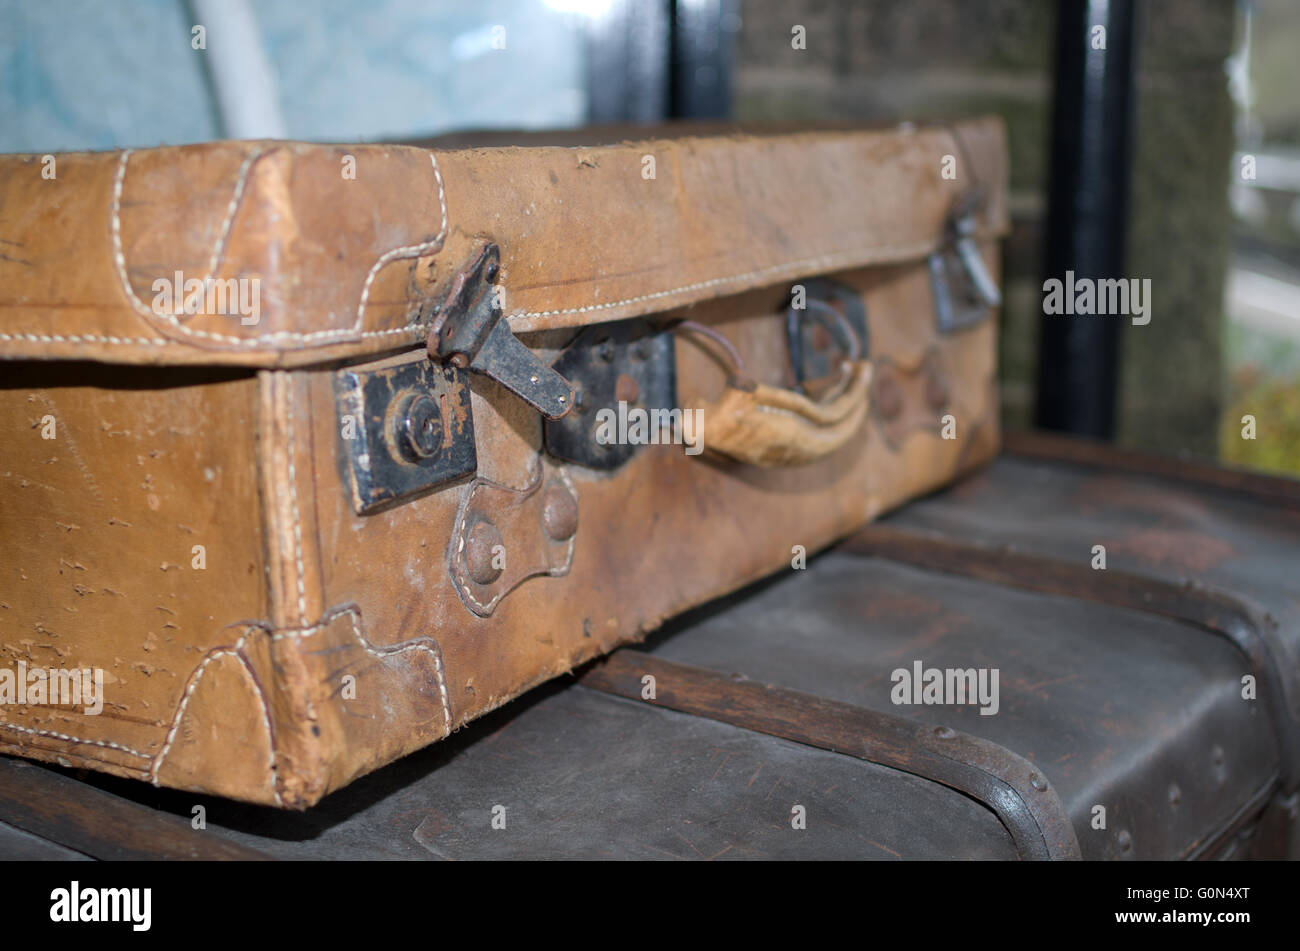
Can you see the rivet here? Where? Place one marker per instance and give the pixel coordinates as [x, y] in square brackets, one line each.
[945, 732]
[605, 350]
[1175, 794]
[480, 556]
[626, 389]
[641, 349]
[1038, 782]
[493, 269]
[889, 398]
[1125, 840]
[418, 428]
[559, 513]
[936, 391]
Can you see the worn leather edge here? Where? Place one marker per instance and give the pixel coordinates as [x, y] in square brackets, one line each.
[113, 324]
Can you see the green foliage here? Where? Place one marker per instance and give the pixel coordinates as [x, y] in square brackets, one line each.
[1275, 404]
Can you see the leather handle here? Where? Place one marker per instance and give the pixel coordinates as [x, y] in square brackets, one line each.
[770, 427]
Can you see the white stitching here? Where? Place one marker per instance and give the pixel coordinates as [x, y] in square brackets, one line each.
[824, 261]
[293, 497]
[458, 572]
[421, 643]
[195, 677]
[354, 332]
[89, 338]
[435, 245]
[156, 761]
[74, 739]
[164, 341]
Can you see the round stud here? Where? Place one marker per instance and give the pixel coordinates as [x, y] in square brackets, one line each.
[889, 398]
[559, 514]
[936, 391]
[626, 389]
[481, 551]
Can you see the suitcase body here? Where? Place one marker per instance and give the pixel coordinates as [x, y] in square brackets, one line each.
[310, 533]
[768, 724]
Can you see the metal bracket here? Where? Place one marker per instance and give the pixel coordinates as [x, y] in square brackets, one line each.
[833, 321]
[504, 536]
[624, 367]
[907, 399]
[468, 332]
[964, 291]
[404, 429]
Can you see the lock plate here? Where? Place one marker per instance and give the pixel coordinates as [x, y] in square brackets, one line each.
[627, 362]
[403, 429]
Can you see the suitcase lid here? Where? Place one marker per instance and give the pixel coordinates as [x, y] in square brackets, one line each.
[275, 254]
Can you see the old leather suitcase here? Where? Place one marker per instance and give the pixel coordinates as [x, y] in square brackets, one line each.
[304, 446]
[1120, 732]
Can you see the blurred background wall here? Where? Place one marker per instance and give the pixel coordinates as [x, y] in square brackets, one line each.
[1216, 81]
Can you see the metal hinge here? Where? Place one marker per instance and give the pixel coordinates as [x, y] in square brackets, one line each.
[468, 332]
[964, 290]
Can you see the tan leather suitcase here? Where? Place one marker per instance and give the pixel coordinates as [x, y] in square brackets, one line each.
[320, 452]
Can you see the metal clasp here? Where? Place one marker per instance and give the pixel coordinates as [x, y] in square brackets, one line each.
[468, 332]
[964, 290]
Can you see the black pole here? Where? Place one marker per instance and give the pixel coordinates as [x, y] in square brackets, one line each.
[1078, 356]
[703, 41]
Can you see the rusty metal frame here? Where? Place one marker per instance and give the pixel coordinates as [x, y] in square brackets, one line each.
[1007, 784]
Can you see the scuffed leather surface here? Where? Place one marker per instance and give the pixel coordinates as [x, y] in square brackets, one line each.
[231, 680]
[664, 533]
[350, 267]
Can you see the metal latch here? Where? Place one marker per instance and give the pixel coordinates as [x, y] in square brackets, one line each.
[964, 290]
[407, 426]
[468, 332]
